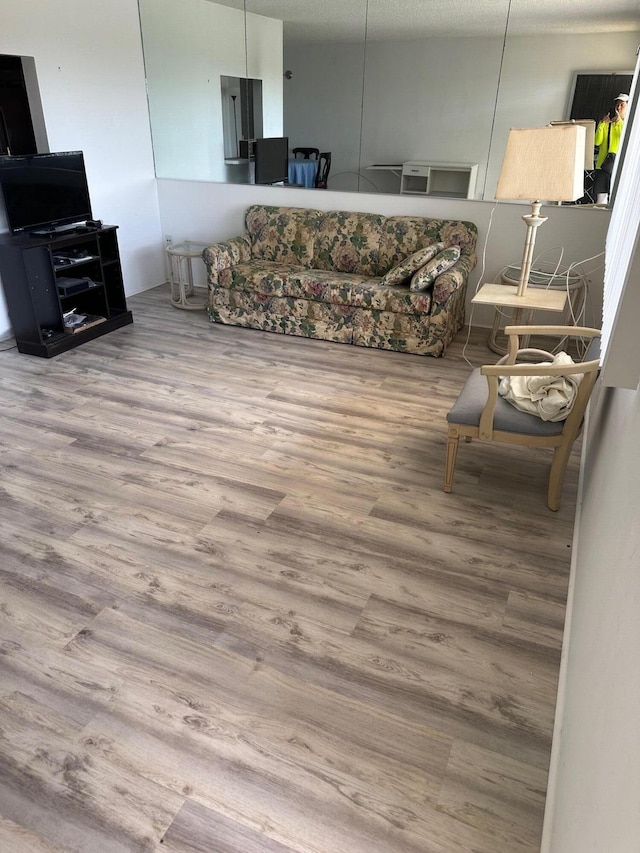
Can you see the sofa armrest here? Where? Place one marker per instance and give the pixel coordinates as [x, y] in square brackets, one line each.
[453, 279]
[220, 256]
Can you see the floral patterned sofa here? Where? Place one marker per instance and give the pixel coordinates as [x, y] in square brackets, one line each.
[321, 274]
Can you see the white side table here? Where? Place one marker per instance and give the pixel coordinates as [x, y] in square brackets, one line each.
[180, 272]
[505, 296]
[572, 286]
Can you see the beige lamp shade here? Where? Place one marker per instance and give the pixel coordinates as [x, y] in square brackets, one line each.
[590, 140]
[544, 163]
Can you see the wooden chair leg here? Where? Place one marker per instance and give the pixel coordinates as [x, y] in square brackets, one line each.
[450, 462]
[556, 476]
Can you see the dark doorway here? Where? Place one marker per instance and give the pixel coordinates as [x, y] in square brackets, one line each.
[241, 115]
[594, 93]
[16, 127]
[593, 97]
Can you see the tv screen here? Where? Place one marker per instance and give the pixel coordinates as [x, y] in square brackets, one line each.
[271, 159]
[43, 191]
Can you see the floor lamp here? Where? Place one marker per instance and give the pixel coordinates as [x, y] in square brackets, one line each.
[543, 164]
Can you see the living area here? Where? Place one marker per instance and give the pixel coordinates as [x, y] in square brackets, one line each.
[332, 407]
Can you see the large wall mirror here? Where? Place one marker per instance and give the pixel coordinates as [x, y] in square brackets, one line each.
[376, 83]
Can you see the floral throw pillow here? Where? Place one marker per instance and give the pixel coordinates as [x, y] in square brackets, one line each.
[427, 274]
[406, 268]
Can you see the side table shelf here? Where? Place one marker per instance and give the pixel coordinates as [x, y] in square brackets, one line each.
[545, 291]
[506, 296]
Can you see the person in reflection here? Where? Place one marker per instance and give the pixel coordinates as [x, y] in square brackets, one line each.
[607, 139]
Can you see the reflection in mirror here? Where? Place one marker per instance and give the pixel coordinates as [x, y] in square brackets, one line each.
[188, 45]
[422, 87]
[429, 96]
[544, 52]
[322, 77]
[241, 124]
[241, 115]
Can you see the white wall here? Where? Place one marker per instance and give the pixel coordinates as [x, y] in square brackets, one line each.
[593, 803]
[188, 46]
[88, 59]
[264, 62]
[209, 212]
[593, 800]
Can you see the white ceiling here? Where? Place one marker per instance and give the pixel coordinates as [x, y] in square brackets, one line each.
[348, 20]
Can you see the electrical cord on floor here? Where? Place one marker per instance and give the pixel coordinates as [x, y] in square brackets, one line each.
[480, 280]
[11, 346]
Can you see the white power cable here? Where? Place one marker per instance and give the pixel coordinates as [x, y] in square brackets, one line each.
[480, 280]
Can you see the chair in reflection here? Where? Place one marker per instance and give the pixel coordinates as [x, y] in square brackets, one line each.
[324, 164]
[307, 153]
[480, 412]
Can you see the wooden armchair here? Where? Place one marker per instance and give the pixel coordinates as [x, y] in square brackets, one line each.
[480, 412]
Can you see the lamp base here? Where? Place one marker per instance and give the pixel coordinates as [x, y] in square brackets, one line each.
[533, 221]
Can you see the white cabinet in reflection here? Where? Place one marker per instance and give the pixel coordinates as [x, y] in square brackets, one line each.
[451, 180]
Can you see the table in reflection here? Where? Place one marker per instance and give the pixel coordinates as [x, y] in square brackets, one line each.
[303, 172]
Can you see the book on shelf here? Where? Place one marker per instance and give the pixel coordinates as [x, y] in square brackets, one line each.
[82, 322]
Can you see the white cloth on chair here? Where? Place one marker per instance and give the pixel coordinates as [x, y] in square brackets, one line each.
[550, 398]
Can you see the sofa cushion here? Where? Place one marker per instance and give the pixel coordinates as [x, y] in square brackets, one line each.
[290, 280]
[347, 289]
[472, 399]
[406, 268]
[348, 242]
[282, 234]
[285, 315]
[427, 274]
[403, 235]
[285, 280]
[372, 295]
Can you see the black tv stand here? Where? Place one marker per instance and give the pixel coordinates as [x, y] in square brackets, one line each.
[37, 276]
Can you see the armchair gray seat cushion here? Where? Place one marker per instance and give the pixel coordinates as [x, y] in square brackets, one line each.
[473, 398]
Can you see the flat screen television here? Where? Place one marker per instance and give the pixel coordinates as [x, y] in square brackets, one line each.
[271, 159]
[43, 192]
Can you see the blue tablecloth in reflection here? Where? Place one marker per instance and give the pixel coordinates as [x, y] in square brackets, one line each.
[303, 172]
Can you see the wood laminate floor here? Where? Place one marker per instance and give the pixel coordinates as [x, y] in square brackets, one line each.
[238, 614]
